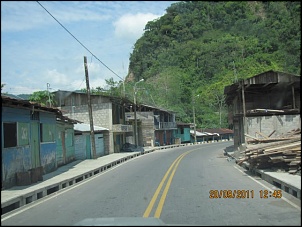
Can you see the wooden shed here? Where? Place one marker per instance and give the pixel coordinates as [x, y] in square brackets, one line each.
[265, 103]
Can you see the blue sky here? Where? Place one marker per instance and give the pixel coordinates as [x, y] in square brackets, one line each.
[36, 49]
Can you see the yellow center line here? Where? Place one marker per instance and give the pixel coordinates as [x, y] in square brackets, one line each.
[165, 192]
[151, 204]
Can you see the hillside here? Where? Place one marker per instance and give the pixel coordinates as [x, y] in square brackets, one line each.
[188, 55]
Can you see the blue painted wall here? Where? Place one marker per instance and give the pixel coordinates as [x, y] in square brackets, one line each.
[59, 142]
[15, 159]
[19, 158]
[48, 148]
[185, 136]
[66, 129]
[69, 143]
[48, 157]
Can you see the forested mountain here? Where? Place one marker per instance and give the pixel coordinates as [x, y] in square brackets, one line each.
[198, 47]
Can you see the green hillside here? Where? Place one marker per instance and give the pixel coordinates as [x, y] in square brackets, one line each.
[199, 47]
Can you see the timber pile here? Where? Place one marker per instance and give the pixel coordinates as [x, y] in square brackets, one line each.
[267, 153]
[268, 139]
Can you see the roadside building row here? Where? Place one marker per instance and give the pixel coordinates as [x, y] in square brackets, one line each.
[37, 139]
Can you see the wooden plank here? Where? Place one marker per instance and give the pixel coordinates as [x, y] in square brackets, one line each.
[247, 135]
[276, 157]
[272, 140]
[260, 151]
[261, 155]
[296, 149]
[275, 144]
[289, 152]
[271, 133]
[291, 145]
[261, 134]
[292, 171]
[270, 110]
[289, 156]
[289, 160]
[293, 163]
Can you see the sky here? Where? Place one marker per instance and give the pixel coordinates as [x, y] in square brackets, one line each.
[43, 43]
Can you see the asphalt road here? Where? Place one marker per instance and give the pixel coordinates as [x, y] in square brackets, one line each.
[180, 186]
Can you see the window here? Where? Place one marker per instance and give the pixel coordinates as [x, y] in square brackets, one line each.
[182, 130]
[47, 132]
[15, 134]
[10, 134]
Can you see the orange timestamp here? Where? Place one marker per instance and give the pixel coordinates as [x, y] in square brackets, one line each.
[243, 194]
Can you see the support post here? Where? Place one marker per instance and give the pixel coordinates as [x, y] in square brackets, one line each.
[90, 110]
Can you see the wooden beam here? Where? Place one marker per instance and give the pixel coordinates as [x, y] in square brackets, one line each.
[261, 134]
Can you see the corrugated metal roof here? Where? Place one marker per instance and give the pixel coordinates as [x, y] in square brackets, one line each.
[20, 103]
[218, 130]
[86, 128]
[182, 123]
[203, 133]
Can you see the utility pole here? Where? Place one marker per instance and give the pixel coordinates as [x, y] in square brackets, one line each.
[124, 92]
[194, 124]
[135, 118]
[48, 87]
[90, 110]
[194, 118]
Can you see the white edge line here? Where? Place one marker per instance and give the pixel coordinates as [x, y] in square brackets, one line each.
[286, 200]
[51, 196]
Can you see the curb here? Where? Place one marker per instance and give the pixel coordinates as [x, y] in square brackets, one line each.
[290, 189]
[30, 196]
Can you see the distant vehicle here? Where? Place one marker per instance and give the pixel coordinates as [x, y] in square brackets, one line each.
[156, 144]
[128, 147]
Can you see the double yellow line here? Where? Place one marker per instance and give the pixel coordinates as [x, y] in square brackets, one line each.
[165, 192]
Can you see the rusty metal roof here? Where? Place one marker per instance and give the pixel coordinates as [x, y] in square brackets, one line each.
[25, 104]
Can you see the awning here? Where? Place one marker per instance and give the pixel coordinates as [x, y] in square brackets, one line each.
[86, 127]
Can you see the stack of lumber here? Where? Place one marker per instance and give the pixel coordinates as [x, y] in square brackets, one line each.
[262, 138]
[284, 154]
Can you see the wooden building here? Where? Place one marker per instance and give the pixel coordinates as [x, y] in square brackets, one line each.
[29, 141]
[267, 103]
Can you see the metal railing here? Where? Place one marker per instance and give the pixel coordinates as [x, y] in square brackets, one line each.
[166, 125]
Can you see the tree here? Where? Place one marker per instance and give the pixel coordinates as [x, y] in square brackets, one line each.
[44, 98]
[213, 96]
[2, 86]
[197, 44]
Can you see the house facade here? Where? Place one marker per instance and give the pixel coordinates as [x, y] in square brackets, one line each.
[107, 112]
[155, 125]
[28, 138]
[65, 145]
[83, 146]
[266, 103]
[182, 133]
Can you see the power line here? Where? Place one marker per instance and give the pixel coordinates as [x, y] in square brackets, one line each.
[79, 41]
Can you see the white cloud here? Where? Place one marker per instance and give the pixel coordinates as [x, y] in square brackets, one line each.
[93, 68]
[17, 89]
[56, 78]
[76, 85]
[21, 16]
[131, 26]
[35, 50]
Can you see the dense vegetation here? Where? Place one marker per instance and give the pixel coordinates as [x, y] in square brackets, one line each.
[198, 47]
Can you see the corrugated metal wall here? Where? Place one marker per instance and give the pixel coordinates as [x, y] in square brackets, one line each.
[80, 146]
